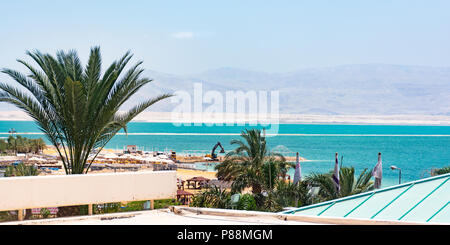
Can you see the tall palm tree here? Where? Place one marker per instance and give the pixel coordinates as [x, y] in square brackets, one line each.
[349, 185]
[77, 108]
[251, 164]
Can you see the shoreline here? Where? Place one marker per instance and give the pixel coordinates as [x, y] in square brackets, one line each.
[224, 118]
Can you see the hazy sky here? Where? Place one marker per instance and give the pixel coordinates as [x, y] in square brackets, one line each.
[183, 37]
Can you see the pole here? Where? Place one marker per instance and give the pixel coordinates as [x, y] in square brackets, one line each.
[270, 170]
[90, 209]
[399, 176]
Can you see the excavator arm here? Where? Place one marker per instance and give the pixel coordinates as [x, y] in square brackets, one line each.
[213, 155]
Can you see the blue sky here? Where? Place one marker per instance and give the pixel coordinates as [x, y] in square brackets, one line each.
[184, 37]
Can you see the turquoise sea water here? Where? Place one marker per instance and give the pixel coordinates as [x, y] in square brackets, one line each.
[414, 149]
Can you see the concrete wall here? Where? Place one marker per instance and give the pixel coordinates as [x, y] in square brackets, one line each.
[66, 190]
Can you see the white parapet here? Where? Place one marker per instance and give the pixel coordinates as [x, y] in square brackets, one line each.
[66, 190]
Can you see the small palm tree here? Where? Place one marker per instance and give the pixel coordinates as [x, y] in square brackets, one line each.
[21, 170]
[347, 183]
[251, 164]
[213, 197]
[288, 194]
[77, 108]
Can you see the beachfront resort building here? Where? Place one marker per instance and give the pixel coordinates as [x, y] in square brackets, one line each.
[131, 149]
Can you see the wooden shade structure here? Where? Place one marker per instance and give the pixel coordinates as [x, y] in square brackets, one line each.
[180, 184]
[184, 196]
[197, 180]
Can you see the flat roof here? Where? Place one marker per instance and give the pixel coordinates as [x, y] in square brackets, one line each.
[159, 217]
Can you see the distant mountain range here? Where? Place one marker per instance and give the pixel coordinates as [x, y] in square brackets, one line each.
[342, 90]
[374, 89]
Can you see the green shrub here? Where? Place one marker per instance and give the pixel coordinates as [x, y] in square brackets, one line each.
[45, 213]
[247, 202]
[214, 197]
[439, 171]
[21, 170]
[165, 203]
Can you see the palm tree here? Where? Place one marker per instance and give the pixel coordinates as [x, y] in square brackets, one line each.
[38, 145]
[347, 183]
[288, 194]
[213, 197]
[251, 164]
[77, 108]
[21, 170]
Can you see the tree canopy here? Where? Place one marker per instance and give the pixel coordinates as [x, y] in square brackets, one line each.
[77, 107]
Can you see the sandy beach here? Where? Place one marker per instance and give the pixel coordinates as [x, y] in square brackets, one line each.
[181, 173]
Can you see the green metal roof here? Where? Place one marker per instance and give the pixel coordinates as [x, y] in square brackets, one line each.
[425, 200]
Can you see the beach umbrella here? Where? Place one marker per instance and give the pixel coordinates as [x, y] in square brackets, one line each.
[37, 159]
[336, 173]
[163, 156]
[152, 159]
[298, 170]
[377, 172]
[110, 156]
[125, 156]
[167, 161]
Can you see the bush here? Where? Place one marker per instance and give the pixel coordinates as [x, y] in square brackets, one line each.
[165, 203]
[21, 170]
[213, 197]
[439, 171]
[247, 202]
[45, 213]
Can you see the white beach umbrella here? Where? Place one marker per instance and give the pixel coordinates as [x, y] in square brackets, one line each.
[377, 172]
[37, 159]
[140, 158]
[336, 173]
[125, 156]
[110, 156]
[298, 170]
[152, 159]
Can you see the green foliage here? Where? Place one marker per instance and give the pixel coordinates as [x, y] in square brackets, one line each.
[347, 183]
[165, 203]
[129, 207]
[251, 165]
[21, 170]
[269, 203]
[45, 213]
[214, 197]
[7, 216]
[76, 107]
[106, 208]
[247, 202]
[439, 171]
[21, 144]
[289, 195]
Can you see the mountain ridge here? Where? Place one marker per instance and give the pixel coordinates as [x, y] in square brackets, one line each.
[377, 89]
[374, 89]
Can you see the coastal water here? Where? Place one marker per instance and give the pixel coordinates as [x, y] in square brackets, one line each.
[414, 149]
